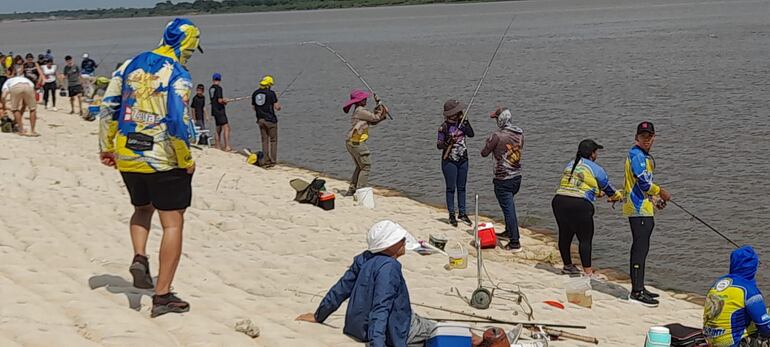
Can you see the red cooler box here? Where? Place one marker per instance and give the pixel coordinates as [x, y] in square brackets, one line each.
[326, 201]
[487, 236]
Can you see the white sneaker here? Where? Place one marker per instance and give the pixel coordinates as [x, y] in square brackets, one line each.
[55, 109]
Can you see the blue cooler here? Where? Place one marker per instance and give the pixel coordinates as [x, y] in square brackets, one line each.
[450, 335]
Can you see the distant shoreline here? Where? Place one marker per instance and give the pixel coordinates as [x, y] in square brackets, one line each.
[201, 7]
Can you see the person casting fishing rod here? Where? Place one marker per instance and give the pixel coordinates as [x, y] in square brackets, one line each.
[361, 119]
[640, 192]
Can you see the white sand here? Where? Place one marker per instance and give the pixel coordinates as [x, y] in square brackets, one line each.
[65, 251]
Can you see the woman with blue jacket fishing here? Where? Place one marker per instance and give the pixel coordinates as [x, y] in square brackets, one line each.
[454, 160]
[581, 182]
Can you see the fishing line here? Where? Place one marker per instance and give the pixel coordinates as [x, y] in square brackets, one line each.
[352, 69]
[478, 86]
[704, 223]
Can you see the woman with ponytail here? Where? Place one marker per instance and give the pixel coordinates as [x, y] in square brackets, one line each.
[573, 206]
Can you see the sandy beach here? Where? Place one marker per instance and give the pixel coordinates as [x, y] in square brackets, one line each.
[65, 250]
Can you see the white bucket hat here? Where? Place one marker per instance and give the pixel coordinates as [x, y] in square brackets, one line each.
[386, 233]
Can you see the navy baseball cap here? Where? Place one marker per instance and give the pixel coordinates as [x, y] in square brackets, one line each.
[217, 77]
[645, 127]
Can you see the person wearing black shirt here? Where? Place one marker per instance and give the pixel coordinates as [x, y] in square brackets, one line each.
[198, 106]
[218, 103]
[265, 103]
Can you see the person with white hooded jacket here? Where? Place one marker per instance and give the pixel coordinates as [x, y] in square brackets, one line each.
[506, 144]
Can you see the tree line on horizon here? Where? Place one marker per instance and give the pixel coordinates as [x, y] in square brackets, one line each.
[168, 8]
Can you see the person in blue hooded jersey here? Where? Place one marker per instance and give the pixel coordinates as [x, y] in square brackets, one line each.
[145, 132]
[735, 309]
[379, 311]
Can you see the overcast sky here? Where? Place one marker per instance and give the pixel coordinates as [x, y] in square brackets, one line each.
[10, 6]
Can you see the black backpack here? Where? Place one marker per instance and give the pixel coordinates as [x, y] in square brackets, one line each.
[311, 194]
[6, 124]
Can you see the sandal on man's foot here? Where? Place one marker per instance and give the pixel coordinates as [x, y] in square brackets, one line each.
[140, 271]
[168, 303]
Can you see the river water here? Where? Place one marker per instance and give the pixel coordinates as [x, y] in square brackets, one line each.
[569, 70]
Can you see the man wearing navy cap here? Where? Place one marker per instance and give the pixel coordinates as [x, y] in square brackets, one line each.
[642, 196]
[218, 103]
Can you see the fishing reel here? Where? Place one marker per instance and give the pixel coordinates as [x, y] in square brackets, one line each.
[481, 299]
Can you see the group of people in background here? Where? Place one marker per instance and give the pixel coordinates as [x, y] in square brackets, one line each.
[264, 102]
[24, 79]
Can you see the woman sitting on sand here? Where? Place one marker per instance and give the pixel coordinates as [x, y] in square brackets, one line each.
[454, 158]
[581, 182]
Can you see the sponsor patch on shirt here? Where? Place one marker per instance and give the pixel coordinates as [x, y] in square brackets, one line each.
[723, 284]
[140, 117]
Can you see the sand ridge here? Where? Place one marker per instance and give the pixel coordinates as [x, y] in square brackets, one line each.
[65, 250]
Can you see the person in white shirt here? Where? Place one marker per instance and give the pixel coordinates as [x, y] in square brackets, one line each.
[22, 93]
[49, 86]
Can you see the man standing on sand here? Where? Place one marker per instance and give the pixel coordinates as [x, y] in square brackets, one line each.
[145, 132]
[265, 103]
[640, 193]
[74, 85]
[218, 103]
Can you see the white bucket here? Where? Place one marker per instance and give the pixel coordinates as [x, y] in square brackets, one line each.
[579, 291]
[365, 197]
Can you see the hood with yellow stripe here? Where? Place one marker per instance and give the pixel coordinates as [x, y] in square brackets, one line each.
[180, 39]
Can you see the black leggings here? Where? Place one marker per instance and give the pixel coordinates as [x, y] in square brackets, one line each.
[49, 87]
[641, 230]
[574, 216]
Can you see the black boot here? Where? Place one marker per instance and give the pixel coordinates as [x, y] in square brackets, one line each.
[452, 219]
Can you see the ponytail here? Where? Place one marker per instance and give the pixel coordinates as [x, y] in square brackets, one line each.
[574, 165]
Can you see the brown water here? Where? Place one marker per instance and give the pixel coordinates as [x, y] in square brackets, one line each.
[569, 70]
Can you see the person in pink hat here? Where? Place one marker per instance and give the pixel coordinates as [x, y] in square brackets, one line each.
[361, 119]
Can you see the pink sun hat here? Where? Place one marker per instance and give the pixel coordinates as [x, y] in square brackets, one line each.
[356, 96]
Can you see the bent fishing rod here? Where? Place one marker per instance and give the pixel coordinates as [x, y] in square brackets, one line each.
[478, 86]
[704, 223]
[279, 94]
[352, 69]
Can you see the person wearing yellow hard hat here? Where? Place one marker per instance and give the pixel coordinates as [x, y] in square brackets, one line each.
[265, 103]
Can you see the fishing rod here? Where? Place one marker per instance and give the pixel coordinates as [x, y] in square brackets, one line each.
[551, 332]
[704, 223]
[109, 53]
[500, 321]
[279, 94]
[478, 86]
[352, 69]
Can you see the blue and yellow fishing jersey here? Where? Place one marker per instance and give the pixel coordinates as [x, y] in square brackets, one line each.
[734, 306]
[586, 181]
[144, 117]
[639, 188]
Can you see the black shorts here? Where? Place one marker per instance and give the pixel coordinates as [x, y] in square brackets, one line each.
[220, 119]
[75, 90]
[166, 191]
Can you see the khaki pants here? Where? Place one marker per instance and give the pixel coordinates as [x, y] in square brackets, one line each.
[361, 157]
[269, 133]
[22, 95]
